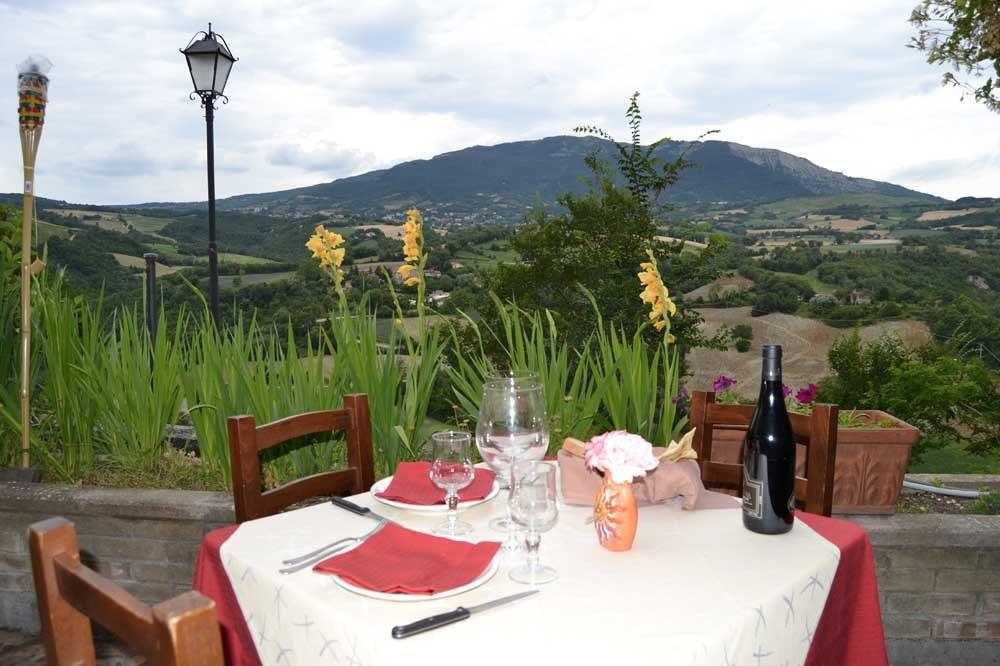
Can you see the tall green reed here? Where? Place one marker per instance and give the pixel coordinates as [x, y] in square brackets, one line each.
[530, 343]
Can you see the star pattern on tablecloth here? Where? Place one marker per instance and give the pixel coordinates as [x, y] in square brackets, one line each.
[262, 634]
[725, 655]
[790, 609]
[760, 655]
[814, 582]
[761, 620]
[354, 660]
[328, 645]
[283, 654]
[248, 574]
[304, 624]
[279, 601]
[807, 638]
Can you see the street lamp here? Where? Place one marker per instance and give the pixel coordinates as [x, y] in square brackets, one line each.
[210, 61]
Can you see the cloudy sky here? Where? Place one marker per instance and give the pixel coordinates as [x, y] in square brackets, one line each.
[329, 89]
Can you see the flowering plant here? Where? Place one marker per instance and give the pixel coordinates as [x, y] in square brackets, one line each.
[621, 454]
[328, 247]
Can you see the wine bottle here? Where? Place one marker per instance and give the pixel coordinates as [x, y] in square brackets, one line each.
[769, 456]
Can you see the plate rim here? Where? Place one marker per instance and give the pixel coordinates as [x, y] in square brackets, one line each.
[429, 508]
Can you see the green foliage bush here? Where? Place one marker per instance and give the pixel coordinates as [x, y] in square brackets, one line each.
[946, 395]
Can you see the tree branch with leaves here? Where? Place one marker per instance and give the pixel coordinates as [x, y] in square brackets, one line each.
[966, 35]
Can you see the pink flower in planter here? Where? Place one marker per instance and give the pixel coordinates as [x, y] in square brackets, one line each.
[722, 382]
[681, 397]
[786, 390]
[807, 394]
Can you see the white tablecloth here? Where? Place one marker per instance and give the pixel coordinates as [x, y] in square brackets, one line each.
[696, 588]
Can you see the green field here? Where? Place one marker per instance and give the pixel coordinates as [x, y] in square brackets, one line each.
[254, 278]
[954, 459]
[47, 230]
[812, 279]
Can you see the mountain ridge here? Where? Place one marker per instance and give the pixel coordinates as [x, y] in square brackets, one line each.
[499, 183]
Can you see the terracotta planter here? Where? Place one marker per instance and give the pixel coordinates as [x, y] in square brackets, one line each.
[615, 515]
[870, 463]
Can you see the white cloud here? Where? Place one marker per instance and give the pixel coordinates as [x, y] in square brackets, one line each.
[329, 89]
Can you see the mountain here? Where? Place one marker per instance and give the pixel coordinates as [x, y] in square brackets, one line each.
[498, 183]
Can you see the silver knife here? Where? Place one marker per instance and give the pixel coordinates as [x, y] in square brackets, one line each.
[457, 615]
[357, 508]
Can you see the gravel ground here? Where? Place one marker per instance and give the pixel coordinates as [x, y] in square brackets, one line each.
[917, 502]
[18, 649]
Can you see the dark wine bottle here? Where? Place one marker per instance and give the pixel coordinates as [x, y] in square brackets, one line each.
[769, 456]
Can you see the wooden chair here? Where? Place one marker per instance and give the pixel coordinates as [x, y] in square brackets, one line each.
[817, 432]
[182, 631]
[247, 440]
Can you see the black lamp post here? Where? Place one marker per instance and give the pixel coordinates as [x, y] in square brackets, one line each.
[210, 61]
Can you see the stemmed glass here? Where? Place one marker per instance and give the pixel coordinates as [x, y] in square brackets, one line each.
[512, 422]
[451, 470]
[533, 505]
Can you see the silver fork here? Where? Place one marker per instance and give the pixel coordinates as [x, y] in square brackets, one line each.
[315, 556]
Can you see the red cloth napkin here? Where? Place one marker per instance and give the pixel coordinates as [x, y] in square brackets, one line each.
[400, 561]
[412, 484]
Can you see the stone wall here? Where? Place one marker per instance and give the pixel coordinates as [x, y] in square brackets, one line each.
[939, 582]
[939, 575]
[144, 540]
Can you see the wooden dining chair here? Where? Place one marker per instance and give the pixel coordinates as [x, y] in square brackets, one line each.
[247, 440]
[817, 432]
[182, 631]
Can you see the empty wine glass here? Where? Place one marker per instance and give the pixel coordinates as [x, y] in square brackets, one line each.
[451, 470]
[533, 505]
[512, 423]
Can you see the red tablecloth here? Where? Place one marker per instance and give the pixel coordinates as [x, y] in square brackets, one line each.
[848, 634]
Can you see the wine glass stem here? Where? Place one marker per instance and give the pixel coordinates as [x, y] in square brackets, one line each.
[452, 501]
[511, 540]
[532, 541]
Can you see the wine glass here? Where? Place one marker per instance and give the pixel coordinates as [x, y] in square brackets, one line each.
[451, 470]
[533, 505]
[511, 423]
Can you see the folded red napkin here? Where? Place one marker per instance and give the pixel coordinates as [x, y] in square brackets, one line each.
[412, 484]
[400, 561]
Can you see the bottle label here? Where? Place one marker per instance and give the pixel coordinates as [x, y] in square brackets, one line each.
[752, 491]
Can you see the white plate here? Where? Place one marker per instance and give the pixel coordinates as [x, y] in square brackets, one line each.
[380, 486]
[491, 571]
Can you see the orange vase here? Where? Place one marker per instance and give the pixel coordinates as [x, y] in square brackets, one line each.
[615, 515]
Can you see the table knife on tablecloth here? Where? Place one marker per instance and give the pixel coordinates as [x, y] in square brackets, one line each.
[357, 508]
[457, 615]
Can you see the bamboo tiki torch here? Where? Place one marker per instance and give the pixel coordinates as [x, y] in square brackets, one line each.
[32, 94]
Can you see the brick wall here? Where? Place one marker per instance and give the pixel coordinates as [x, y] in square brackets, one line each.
[144, 540]
[939, 581]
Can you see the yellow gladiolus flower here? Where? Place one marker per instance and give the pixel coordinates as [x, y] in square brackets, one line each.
[413, 243]
[657, 295]
[412, 282]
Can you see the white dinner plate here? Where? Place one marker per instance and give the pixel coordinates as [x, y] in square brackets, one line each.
[491, 571]
[380, 486]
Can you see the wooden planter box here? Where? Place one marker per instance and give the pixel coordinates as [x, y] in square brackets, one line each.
[870, 464]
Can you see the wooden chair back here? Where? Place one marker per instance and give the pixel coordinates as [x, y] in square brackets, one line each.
[247, 440]
[182, 631]
[817, 432]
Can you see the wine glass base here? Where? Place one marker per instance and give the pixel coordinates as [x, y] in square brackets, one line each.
[501, 524]
[458, 528]
[538, 575]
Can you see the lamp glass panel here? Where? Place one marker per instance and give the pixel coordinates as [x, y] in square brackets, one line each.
[202, 70]
[222, 68]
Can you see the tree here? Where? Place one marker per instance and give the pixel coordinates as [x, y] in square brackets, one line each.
[966, 35]
[597, 241]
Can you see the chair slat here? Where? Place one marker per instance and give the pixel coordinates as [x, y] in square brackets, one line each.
[282, 430]
[324, 483]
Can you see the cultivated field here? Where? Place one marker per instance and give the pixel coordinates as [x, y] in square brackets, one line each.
[805, 344]
[839, 223]
[128, 261]
[721, 287]
[934, 215]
